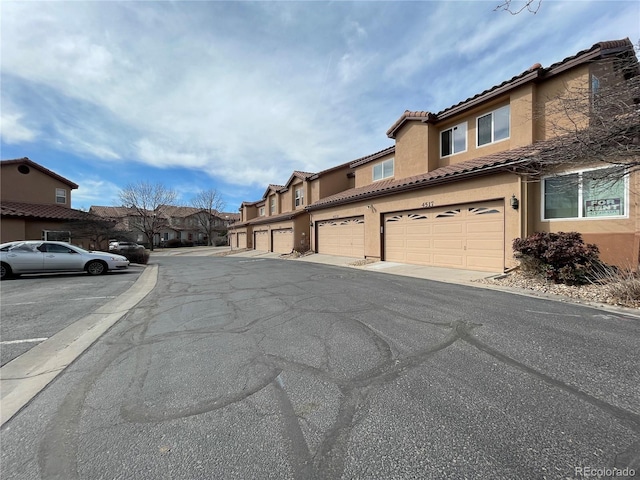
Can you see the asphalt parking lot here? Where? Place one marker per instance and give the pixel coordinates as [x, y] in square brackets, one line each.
[35, 307]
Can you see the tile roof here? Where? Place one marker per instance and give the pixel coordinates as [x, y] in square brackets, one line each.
[268, 219]
[449, 173]
[112, 212]
[536, 72]
[373, 156]
[46, 171]
[42, 211]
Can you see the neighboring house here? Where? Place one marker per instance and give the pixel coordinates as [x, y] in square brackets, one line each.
[279, 221]
[456, 188]
[35, 204]
[183, 224]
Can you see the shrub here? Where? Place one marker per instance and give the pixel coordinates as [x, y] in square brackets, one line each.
[141, 256]
[560, 257]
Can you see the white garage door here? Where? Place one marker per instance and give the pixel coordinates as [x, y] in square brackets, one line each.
[469, 236]
[261, 240]
[242, 240]
[282, 240]
[344, 237]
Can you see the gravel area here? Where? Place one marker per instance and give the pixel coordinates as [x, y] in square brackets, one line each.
[601, 293]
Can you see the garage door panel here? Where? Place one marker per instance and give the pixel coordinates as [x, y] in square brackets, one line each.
[282, 240]
[344, 237]
[471, 236]
[261, 240]
[242, 240]
[451, 260]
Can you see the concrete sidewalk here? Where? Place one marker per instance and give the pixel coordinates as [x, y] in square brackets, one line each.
[447, 275]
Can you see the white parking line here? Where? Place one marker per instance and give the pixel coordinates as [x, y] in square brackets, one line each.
[26, 340]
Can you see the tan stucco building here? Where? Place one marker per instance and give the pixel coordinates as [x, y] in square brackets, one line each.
[456, 187]
[35, 204]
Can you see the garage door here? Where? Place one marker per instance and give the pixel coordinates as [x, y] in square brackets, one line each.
[344, 237]
[233, 240]
[469, 236]
[242, 240]
[261, 240]
[282, 240]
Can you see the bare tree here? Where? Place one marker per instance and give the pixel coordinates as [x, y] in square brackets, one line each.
[210, 204]
[595, 123]
[95, 229]
[516, 7]
[149, 201]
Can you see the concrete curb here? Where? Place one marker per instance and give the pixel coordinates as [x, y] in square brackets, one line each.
[24, 377]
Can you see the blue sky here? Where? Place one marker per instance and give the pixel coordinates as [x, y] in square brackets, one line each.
[236, 95]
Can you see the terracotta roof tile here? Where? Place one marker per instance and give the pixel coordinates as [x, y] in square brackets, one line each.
[373, 156]
[42, 211]
[448, 173]
[597, 50]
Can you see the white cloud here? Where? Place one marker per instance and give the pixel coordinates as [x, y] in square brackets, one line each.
[92, 191]
[13, 129]
[248, 92]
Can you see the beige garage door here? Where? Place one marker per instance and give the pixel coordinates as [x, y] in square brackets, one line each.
[261, 240]
[233, 239]
[469, 236]
[344, 237]
[242, 240]
[282, 240]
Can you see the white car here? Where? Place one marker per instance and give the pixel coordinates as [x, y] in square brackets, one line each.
[35, 256]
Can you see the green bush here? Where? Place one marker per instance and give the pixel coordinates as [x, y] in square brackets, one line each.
[561, 257]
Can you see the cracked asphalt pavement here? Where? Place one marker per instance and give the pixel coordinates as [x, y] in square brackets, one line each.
[237, 368]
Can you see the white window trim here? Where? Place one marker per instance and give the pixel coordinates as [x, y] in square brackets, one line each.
[272, 205]
[466, 146]
[261, 211]
[492, 113]
[581, 218]
[61, 193]
[393, 170]
[299, 197]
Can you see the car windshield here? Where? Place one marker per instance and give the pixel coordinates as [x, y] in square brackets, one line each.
[20, 247]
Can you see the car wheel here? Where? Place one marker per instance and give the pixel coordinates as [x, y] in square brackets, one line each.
[96, 268]
[5, 271]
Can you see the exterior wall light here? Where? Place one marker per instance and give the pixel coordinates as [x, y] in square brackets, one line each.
[515, 203]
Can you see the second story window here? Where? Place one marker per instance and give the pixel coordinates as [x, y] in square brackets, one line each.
[261, 211]
[453, 140]
[61, 196]
[383, 170]
[299, 197]
[493, 126]
[272, 205]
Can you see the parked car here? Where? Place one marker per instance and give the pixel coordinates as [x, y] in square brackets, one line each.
[35, 256]
[125, 247]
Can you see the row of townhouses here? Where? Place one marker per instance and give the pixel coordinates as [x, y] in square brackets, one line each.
[35, 204]
[458, 186]
[183, 225]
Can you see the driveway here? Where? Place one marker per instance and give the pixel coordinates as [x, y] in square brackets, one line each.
[261, 368]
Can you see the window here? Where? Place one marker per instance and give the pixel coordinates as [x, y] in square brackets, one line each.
[383, 170]
[453, 140]
[588, 194]
[299, 197]
[261, 211]
[61, 195]
[273, 205]
[493, 126]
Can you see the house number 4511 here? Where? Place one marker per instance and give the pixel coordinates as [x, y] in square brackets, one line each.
[428, 204]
